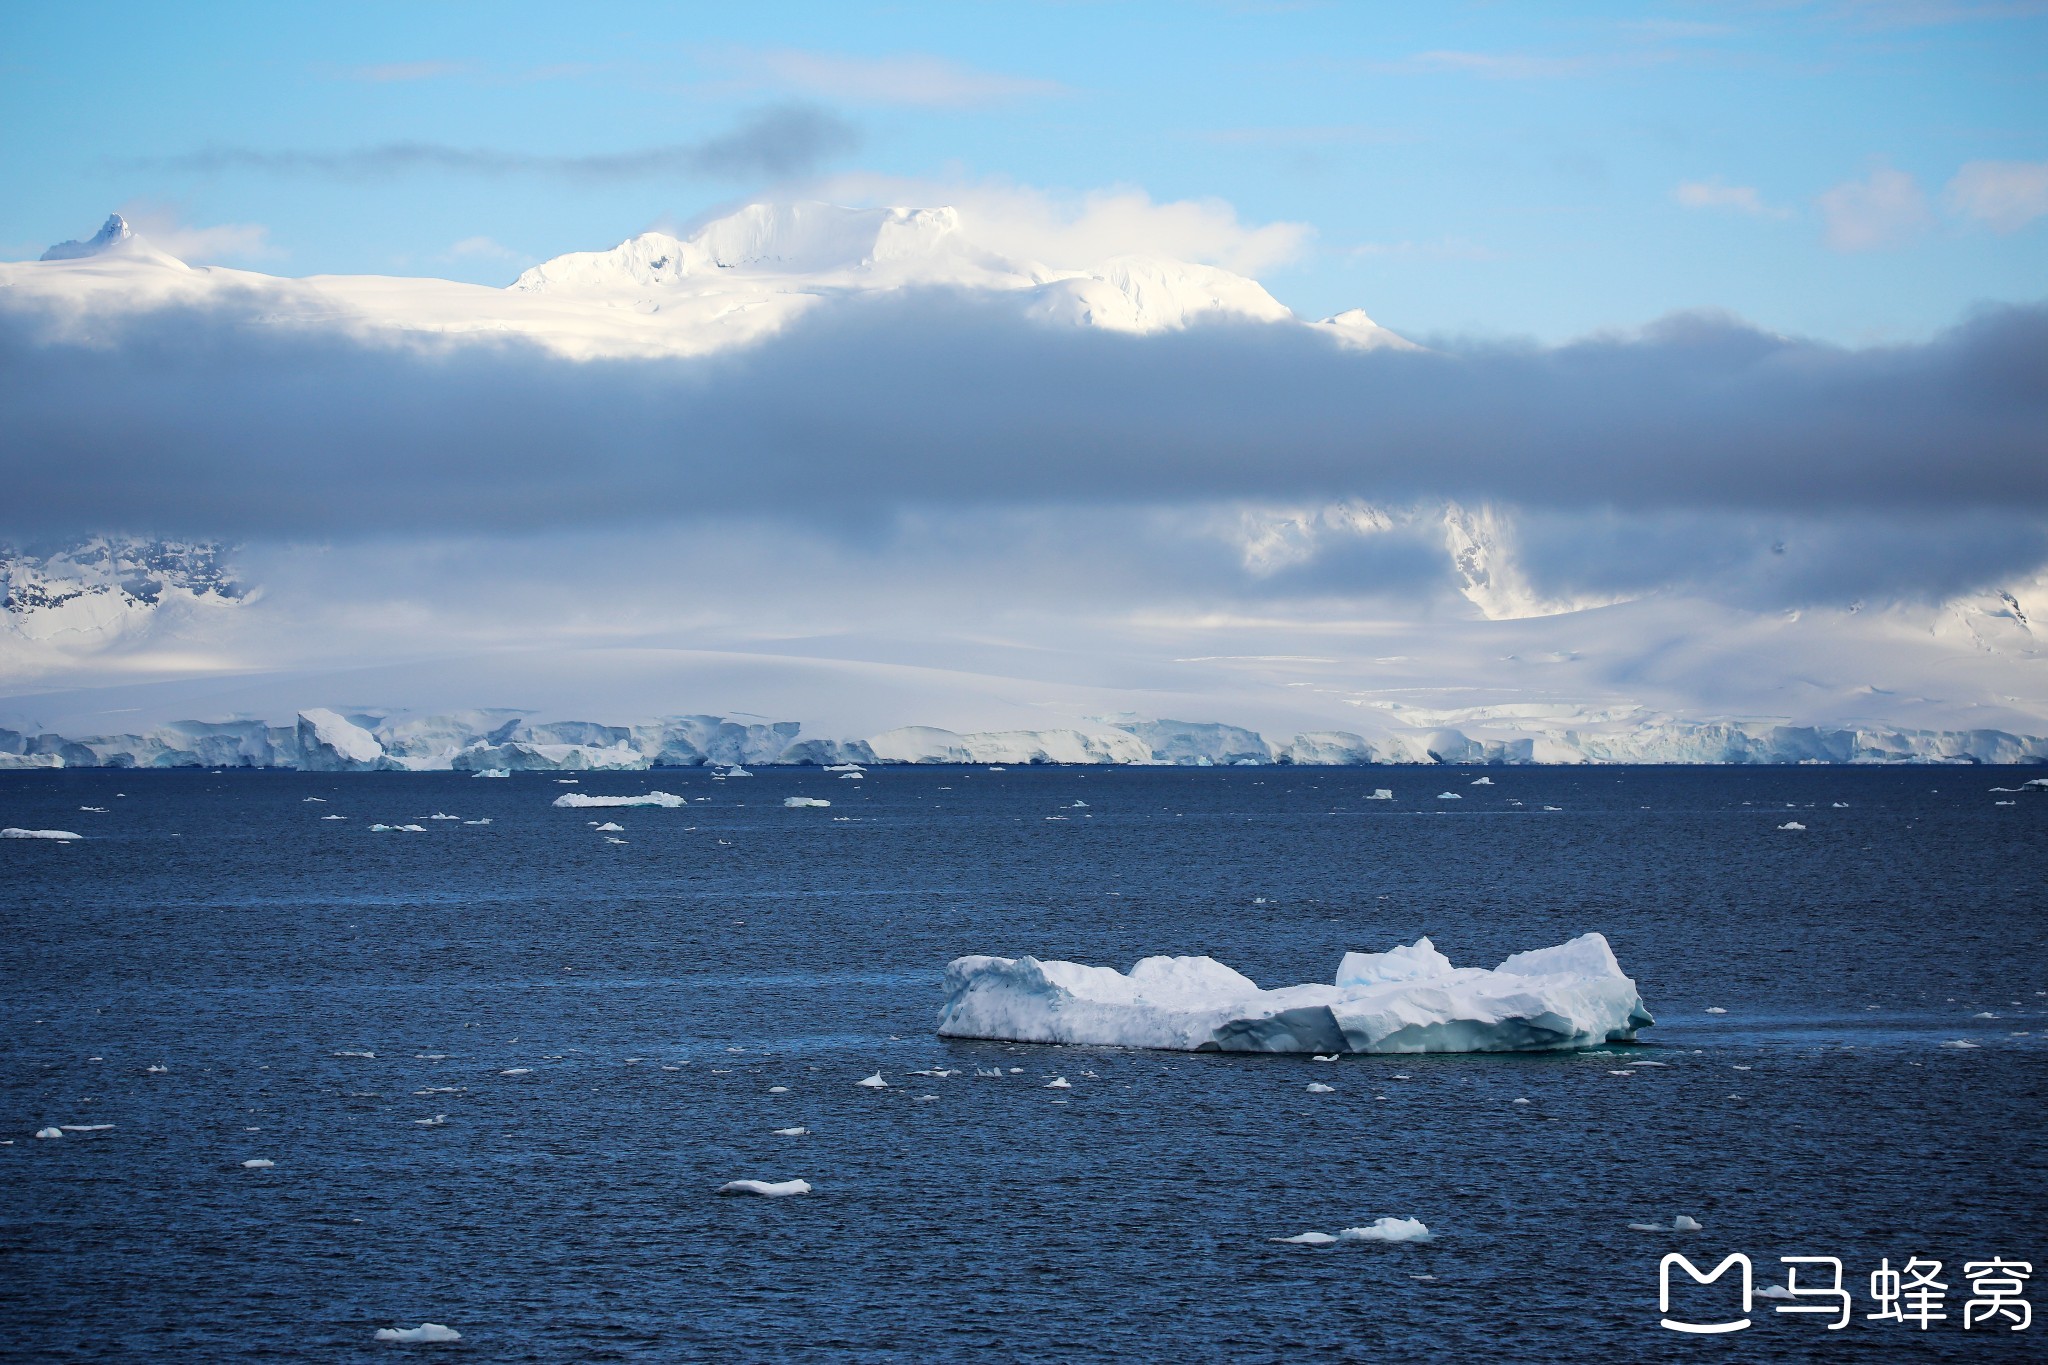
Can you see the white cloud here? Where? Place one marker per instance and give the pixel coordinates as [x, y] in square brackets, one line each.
[1715, 194]
[484, 248]
[1886, 209]
[905, 78]
[2004, 195]
[1074, 231]
[166, 230]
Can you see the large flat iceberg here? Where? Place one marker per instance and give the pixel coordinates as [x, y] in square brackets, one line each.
[581, 801]
[1408, 1000]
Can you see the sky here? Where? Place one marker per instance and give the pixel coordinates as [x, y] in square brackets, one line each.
[1861, 172]
[1730, 396]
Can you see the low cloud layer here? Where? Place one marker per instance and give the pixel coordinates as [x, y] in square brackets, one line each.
[781, 141]
[219, 420]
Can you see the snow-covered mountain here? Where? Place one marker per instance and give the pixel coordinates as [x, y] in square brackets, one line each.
[89, 593]
[735, 280]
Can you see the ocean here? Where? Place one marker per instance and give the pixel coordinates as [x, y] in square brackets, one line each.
[502, 1069]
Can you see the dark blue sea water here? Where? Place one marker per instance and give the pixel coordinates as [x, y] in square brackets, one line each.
[601, 1025]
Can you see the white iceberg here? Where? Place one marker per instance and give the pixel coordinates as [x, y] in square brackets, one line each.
[1318, 1088]
[802, 802]
[1681, 1223]
[1388, 1230]
[1307, 1239]
[735, 772]
[1405, 1001]
[64, 835]
[425, 1332]
[1381, 794]
[492, 772]
[771, 1189]
[608, 827]
[49, 1132]
[1791, 824]
[580, 800]
[874, 1082]
[258, 1164]
[1480, 782]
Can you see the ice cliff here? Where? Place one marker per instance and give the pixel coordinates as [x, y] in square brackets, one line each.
[1410, 999]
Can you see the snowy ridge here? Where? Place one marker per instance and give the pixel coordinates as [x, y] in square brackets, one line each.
[733, 282]
[100, 588]
[323, 740]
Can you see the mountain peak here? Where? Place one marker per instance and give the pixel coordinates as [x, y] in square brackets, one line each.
[113, 234]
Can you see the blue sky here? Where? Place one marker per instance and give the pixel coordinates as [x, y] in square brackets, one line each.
[1863, 172]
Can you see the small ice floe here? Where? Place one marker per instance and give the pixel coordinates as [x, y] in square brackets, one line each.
[2001, 803]
[1388, 1230]
[484, 821]
[769, 1189]
[398, 829]
[61, 835]
[95, 810]
[791, 1132]
[1318, 1088]
[1791, 824]
[998, 770]
[1449, 796]
[1987, 1014]
[352, 1052]
[778, 1090]
[941, 1073]
[85, 1127]
[1960, 1043]
[155, 1070]
[994, 1071]
[321, 799]
[1553, 808]
[426, 1332]
[1078, 805]
[567, 781]
[438, 1121]
[736, 771]
[874, 1082]
[1679, 1224]
[1839, 805]
[1775, 1291]
[1381, 794]
[847, 768]
[1481, 782]
[517, 1071]
[804, 802]
[443, 815]
[1331, 1058]
[334, 817]
[1307, 1239]
[492, 772]
[1059, 1083]
[851, 777]
[1715, 1009]
[606, 826]
[1523, 1100]
[612, 840]
[49, 1132]
[258, 1164]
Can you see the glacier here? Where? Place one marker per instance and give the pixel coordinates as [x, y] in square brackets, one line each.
[1407, 1000]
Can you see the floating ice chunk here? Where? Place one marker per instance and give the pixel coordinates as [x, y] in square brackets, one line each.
[1449, 796]
[94, 810]
[1523, 1100]
[874, 1082]
[771, 1189]
[1987, 1014]
[61, 835]
[567, 781]
[1960, 1043]
[851, 777]
[517, 1071]
[1331, 1058]
[156, 1070]
[1775, 1291]
[1791, 824]
[1078, 805]
[438, 1121]
[1839, 805]
[85, 1127]
[801, 802]
[778, 1090]
[792, 1132]
[1388, 1230]
[737, 771]
[1381, 794]
[398, 829]
[443, 815]
[610, 840]
[1553, 808]
[1408, 1000]
[352, 1052]
[2001, 803]
[425, 1333]
[334, 817]
[584, 800]
[842, 767]
[1681, 1223]
[49, 1132]
[321, 799]
[485, 821]
[1059, 1083]
[258, 1164]
[1481, 782]
[1318, 1088]
[1307, 1239]
[492, 772]
[1715, 1009]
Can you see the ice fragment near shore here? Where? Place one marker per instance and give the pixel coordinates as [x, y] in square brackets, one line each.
[1408, 1000]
